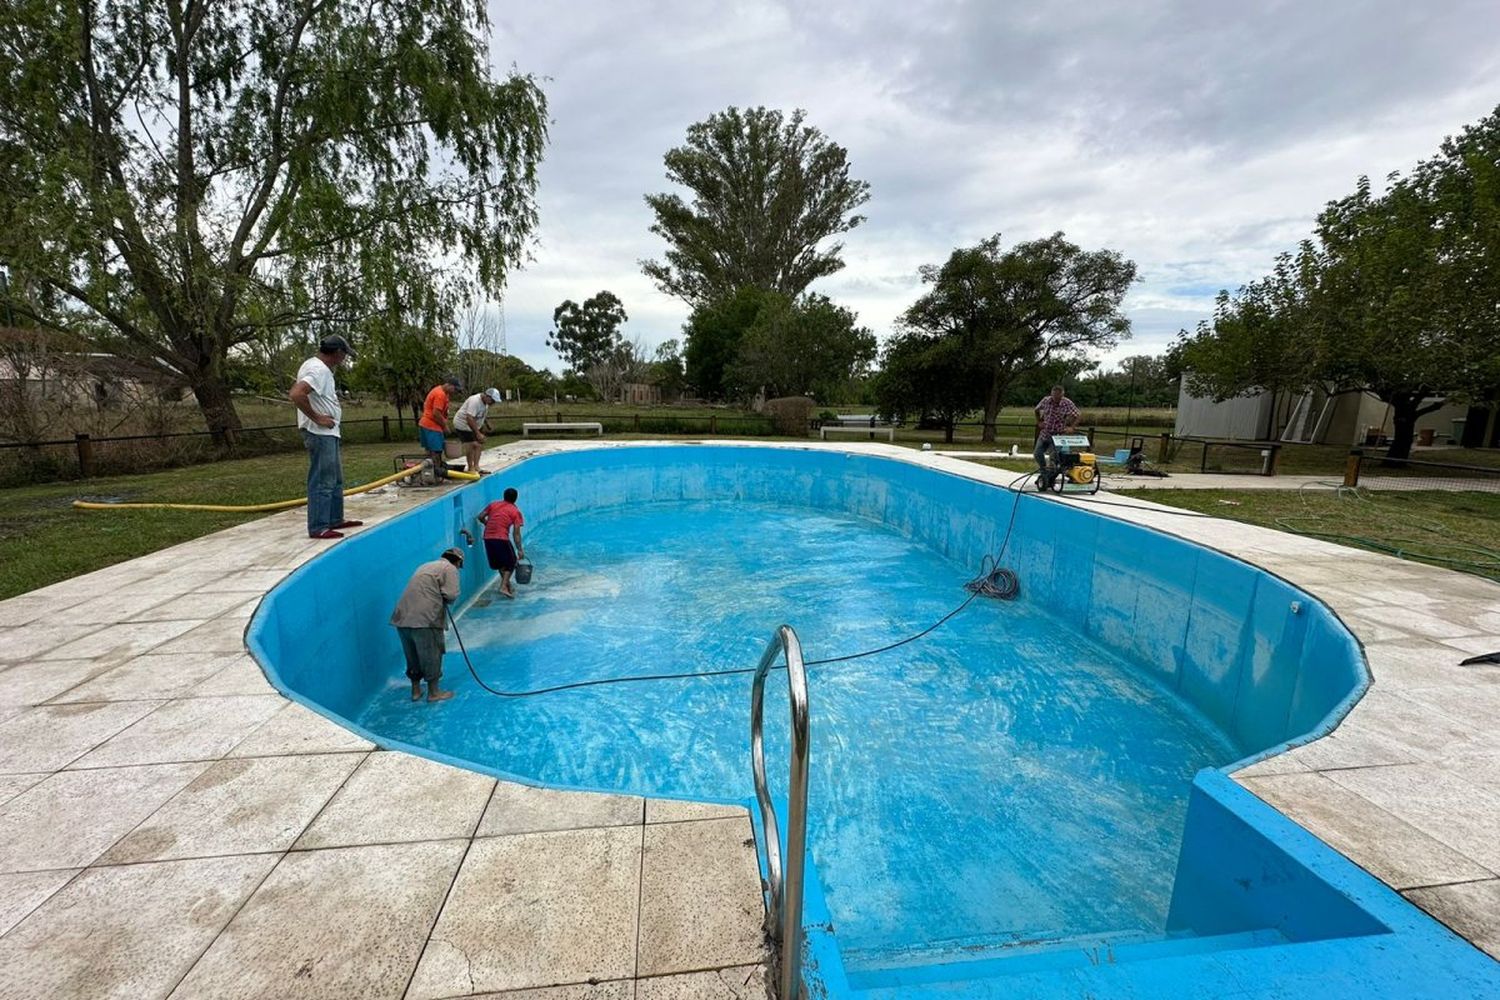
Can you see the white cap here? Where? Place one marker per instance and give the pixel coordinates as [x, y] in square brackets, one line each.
[494, 394]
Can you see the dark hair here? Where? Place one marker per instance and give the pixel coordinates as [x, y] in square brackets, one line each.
[1057, 388]
[511, 494]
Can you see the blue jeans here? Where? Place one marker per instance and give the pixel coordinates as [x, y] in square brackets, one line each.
[1043, 445]
[325, 482]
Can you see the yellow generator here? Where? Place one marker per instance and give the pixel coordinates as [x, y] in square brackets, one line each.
[1071, 467]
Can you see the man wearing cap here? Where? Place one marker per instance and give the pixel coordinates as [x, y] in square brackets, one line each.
[419, 622]
[318, 413]
[469, 421]
[434, 423]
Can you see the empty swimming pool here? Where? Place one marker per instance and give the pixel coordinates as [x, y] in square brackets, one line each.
[1013, 789]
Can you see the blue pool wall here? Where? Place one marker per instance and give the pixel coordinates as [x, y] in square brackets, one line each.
[1218, 632]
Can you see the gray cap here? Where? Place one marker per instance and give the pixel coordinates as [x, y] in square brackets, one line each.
[454, 553]
[332, 343]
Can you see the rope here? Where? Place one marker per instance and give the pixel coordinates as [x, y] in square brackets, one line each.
[259, 507]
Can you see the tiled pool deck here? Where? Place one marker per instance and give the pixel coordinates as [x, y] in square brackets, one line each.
[171, 826]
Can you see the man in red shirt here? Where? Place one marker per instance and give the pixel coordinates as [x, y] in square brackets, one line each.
[502, 521]
[434, 424]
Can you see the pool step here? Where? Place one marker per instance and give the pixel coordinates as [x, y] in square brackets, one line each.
[955, 962]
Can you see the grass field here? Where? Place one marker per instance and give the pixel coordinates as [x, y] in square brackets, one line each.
[1454, 530]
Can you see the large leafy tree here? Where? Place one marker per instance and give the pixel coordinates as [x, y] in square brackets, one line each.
[714, 332]
[767, 192]
[193, 172]
[587, 335]
[1017, 310]
[803, 347]
[1397, 296]
[929, 376]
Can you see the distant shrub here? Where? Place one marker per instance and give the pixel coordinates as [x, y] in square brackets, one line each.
[790, 414]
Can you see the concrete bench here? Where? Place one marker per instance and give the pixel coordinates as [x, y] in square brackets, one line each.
[887, 430]
[582, 425]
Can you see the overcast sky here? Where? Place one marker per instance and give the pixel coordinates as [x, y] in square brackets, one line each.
[1197, 138]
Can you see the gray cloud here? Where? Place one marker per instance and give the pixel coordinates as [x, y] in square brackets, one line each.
[1199, 139]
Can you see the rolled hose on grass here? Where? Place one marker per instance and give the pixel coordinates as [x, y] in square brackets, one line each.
[259, 507]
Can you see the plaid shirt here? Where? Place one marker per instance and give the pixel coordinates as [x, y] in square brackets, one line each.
[1056, 415]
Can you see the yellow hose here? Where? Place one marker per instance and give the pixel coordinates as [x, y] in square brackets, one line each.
[260, 507]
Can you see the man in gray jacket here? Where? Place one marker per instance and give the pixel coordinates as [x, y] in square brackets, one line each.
[419, 621]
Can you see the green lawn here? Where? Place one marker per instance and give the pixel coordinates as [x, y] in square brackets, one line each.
[43, 539]
[1455, 530]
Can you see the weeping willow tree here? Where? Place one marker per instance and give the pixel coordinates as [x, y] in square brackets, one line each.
[185, 175]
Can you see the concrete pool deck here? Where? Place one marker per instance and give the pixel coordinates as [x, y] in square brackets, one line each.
[171, 826]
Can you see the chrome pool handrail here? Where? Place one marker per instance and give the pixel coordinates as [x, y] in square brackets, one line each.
[784, 914]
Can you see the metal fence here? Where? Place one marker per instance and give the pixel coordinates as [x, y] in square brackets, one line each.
[1378, 472]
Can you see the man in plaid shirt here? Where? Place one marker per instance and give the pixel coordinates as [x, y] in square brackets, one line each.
[1055, 414]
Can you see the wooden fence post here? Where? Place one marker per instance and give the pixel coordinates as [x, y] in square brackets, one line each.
[385, 428]
[637, 423]
[85, 455]
[1351, 467]
[713, 423]
[1164, 447]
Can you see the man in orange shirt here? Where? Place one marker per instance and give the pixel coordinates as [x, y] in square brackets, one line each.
[434, 423]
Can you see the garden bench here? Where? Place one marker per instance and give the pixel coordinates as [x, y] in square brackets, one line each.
[887, 430]
[582, 425]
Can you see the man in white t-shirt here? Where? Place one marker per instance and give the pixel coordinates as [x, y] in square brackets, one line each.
[469, 422]
[318, 413]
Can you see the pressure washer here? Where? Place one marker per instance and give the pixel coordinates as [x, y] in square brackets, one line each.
[1071, 467]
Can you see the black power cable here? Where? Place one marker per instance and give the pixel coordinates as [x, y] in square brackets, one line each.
[992, 582]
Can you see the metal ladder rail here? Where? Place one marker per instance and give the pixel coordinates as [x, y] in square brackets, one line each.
[784, 914]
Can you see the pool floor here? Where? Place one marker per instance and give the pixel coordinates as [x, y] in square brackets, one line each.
[1002, 779]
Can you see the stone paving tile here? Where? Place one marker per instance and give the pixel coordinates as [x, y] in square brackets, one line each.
[1414, 663]
[25, 609]
[12, 785]
[1353, 746]
[516, 808]
[221, 635]
[341, 923]
[121, 606]
[1473, 645]
[744, 982]
[1282, 763]
[700, 907]
[615, 989]
[155, 675]
[1471, 909]
[295, 729]
[121, 932]
[22, 892]
[536, 909]
[48, 737]
[199, 605]
[33, 684]
[398, 798]
[1391, 850]
[31, 642]
[251, 581]
[677, 811]
[241, 675]
[185, 729]
[1407, 723]
[238, 807]
[1439, 803]
[1476, 705]
[72, 817]
[118, 643]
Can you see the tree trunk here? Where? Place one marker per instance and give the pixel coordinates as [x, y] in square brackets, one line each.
[948, 430]
[992, 409]
[217, 405]
[1404, 412]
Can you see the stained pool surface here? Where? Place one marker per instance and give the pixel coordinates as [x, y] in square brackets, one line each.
[1030, 801]
[1004, 778]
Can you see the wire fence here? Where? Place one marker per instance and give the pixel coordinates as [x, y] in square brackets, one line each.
[1378, 472]
[84, 456]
